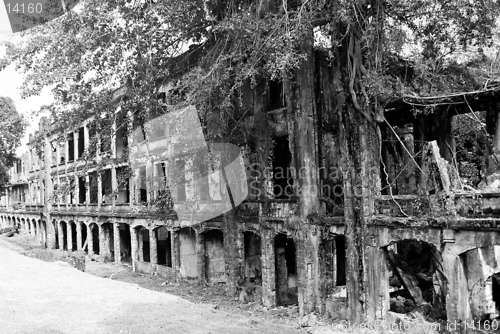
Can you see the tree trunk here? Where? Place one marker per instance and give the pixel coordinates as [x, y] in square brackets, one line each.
[360, 169]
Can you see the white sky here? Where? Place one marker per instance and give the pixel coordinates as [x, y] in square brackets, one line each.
[4, 21]
[10, 81]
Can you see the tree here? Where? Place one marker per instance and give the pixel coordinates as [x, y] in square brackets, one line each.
[12, 127]
[208, 51]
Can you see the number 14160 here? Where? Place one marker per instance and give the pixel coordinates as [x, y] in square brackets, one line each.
[29, 8]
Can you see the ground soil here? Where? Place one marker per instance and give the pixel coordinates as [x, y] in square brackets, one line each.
[114, 299]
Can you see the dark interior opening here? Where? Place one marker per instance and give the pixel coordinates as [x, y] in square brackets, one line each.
[92, 139]
[65, 236]
[56, 234]
[81, 189]
[286, 270]
[93, 187]
[81, 141]
[341, 259]
[253, 263]
[106, 187]
[414, 276]
[125, 243]
[122, 179]
[74, 237]
[84, 238]
[143, 185]
[105, 141]
[95, 239]
[121, 140]
[163, 246]
[276, 96]
[71, 148]
[145, 245]
[496, 290]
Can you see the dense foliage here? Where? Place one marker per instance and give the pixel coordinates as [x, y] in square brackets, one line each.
[209, 48]
[12, 126]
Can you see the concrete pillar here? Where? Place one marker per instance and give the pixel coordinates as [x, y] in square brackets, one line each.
[135, 186]
[87, 189]
[174, 246]
[99, 189]
[90, 239]
[116, 232]
[140, 244]
[150, 193]
[153, 253]
[200, 251]
[113, 140]
[86, 137]
[51, 228]
[60, 235]
[134, 243]
[79, 236]
[70, 236]
[39, 233]
[103, 245]
[268, 270]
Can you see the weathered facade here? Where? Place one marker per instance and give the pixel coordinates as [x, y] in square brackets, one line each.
[423, 241]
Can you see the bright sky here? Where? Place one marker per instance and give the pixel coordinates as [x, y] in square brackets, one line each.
[4, 21]
[10, 81]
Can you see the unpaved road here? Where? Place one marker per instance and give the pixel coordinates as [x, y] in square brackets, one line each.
[42, 297]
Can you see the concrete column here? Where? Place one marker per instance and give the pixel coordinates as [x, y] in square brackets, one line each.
[78, 236]
[153, 253]
[44, 233]
[113, 139]
[86, 137]
[39, 232]
[135, 186]
[60, 235]
[87, 189]
[70, 237]
[200, 251]
[103, 245]
[134, 245]
[116, 232]
[99, 189]
[51, 240]
[268, 271]
[90, 239]
[150, 192]
[174, 246]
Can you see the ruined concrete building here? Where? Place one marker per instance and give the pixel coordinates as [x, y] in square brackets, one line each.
[426, 241]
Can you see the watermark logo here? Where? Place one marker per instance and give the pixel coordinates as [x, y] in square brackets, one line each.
[26, 14]
[204, 180]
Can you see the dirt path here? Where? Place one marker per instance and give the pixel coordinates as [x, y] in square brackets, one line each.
[42, 297]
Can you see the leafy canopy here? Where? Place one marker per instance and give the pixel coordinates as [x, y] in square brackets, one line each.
[207, 49]
[12, 126]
